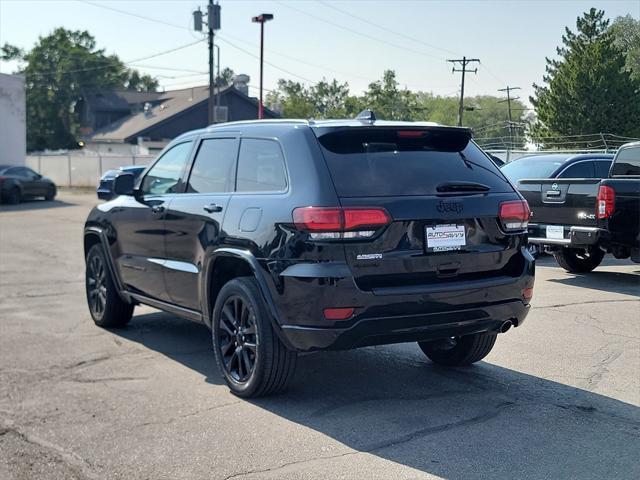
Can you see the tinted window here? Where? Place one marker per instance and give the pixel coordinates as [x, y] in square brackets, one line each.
[531, 167]
[261, 167]
[627, 162]
[602, 168]
[212, 170]
[579, 170]
[389, 162]
[164, 176]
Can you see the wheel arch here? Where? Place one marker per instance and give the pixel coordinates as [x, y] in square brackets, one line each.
[95, 236]
[229, 263]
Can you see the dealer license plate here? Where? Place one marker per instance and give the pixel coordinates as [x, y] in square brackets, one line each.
[555, 232]
[444, 238]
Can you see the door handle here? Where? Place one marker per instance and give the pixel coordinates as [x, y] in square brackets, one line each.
[157, 208]
[211, 208]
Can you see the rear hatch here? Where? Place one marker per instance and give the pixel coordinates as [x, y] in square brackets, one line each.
[443, 197]
[566, 202]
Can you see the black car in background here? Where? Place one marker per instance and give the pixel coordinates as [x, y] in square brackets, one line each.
[559, 165]
[20, 183]
[293, 236]
[105, 187]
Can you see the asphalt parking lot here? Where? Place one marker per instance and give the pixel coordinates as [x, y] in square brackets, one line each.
[557, 398]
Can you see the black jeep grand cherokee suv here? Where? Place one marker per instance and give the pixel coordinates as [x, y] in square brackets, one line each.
[288, 236]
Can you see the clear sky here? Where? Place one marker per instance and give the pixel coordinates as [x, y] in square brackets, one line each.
[353, 41]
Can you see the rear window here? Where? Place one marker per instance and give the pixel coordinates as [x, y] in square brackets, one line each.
[531, 168]
[390, 162]
[627, 162]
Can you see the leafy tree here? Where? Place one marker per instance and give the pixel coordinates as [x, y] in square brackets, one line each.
[322, 100]
[388, 100]
[587, 89]
[225, 78]
[626, 34]
[141, 83]
[60, 69]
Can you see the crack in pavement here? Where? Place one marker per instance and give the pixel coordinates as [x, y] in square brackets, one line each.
[423, 432]
[72, 460]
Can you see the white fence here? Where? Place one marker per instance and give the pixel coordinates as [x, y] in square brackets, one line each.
[85, 170]
[81, 170]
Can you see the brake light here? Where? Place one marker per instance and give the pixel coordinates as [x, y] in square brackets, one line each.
[411, 133]
[514, 215]
[606, 202]
[334, 223]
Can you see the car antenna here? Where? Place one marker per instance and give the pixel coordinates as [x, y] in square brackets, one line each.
[367, 116]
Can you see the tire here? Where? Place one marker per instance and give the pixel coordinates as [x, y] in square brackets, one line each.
[51, 194]
[14, 196]
[252, 359]
[578, 260]
[459, 351]
[107, 309]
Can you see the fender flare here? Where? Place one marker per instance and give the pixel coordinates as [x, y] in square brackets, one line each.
[252, 261]
[99, 232]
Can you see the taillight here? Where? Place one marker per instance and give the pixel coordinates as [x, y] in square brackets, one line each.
[2, 179]
[338, 313]
[335, 223]
[514, 215]
[606, 202]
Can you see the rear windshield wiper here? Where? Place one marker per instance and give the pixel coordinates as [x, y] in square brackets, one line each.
[462, 187]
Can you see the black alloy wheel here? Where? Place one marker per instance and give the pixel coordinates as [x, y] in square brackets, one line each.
[237, 339]
[106, 306]
[96, 286]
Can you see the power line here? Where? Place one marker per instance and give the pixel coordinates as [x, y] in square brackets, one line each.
[135, 15]
[356, 32]
[386, 29]
[464, 61]
[110, 64]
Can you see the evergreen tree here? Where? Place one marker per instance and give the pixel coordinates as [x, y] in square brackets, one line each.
[587, 88]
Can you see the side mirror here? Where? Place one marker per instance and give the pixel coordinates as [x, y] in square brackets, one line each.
[38, 176]
[123, 184]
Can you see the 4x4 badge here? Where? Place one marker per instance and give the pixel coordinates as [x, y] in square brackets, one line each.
[443, 206]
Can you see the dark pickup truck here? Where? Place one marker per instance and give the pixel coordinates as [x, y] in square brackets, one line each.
[579, 220]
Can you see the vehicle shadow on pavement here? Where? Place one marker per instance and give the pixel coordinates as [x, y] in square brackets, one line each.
[34, 205]
[614, 282]
[484, 421]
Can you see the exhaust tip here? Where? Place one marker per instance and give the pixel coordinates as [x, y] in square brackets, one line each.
[504, 328]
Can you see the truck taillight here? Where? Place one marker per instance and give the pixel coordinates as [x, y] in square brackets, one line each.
[514, 215]
[335, 223]
[606, 202]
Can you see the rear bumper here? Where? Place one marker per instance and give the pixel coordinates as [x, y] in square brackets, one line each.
[397, 314]
[574, 237]
[397, 329]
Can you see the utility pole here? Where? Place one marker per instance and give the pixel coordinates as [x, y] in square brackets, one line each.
[508, 100]
[213, 24]
[464, 61]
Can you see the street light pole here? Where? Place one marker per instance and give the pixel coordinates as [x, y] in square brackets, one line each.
[211, 40]
[261, 19]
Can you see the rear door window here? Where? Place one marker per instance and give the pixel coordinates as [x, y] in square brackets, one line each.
[261, 166]
[579, 170]
[602, 168]
[627, 162]
[391, 162]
